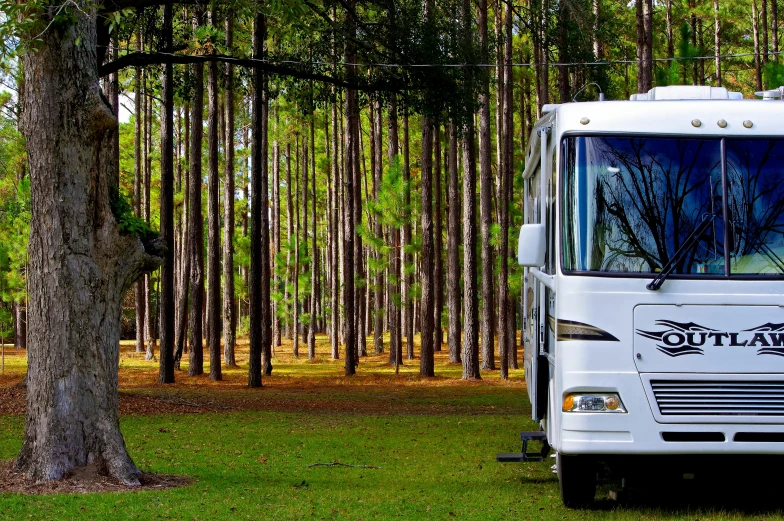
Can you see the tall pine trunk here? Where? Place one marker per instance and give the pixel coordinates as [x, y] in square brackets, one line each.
[351, 176]
[453, 250]
[407, 299]
[196, 228]
[378, 282]
[229, 312]
[258, 210]
[486, 194]
[505, 199]
[438, 243]
[396, 300]
[166, 364]
[140, 302]
[213, 220]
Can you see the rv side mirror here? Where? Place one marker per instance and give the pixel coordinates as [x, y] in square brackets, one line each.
[531, 246]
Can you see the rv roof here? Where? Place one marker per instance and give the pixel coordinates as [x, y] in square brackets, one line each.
[686, 92]
[711, 117]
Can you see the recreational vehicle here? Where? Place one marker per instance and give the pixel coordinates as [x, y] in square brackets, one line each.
[654, 283]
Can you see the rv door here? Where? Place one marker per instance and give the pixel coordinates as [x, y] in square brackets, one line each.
[534, 291]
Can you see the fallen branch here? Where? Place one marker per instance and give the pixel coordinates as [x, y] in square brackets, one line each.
[339, 464]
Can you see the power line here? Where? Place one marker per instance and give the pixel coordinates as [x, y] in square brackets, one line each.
[602, 63]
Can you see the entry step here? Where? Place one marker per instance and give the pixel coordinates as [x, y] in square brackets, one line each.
[525, 455]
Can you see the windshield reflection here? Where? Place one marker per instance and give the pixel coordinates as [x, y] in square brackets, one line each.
[630, 203]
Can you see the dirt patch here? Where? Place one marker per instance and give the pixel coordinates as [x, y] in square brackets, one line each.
[83, 480]
[13, 400]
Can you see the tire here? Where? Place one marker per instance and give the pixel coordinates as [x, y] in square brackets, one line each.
[577, 480]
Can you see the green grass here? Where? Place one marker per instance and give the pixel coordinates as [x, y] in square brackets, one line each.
[435, 460]
[254, 465]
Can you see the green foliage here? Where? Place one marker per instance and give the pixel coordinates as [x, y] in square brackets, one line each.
[773, 73]
[126, 220]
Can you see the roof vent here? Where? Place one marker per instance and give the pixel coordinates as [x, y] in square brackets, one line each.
[770, 95]
[686, 92]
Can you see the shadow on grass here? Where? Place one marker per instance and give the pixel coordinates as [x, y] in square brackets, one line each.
[729, 486]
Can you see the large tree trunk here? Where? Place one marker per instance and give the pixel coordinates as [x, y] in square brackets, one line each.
[229, 314]
[504, 200]
[405, 275]
[378, 283]
[396, 318]
[470, 303]
[486, 195]
[305, 245]
[185, 259]
[668, 29]
[453, 250]
[426, 364]
[349, 225]
[213, 220]
[259, 256]
[334, 283]
[196, 228]
[717, 40]
[140, 303]
[81, 265]
[313, 251]
[276, 335]
[291, 331]
[295, 189]
[755, 32]
[166, 364]
[438, 264]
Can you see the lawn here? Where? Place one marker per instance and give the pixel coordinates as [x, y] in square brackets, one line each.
[314, 445]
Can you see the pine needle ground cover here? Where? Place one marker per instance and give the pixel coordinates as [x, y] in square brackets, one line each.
[314, 445]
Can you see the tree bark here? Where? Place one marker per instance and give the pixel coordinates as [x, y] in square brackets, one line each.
[229, 314]
[213, 220]
[396, 318]
[295, 187]
[486, 194]
[349, 231]
[137, 192]
[276, 322]
[405, 275]
[313, 250]
[378, 283]
[717, 41]
[755, 30]
[470, 303]
[438, 236]
[453, 251]
[305, 242]
[258, 209]
[505, 199]
[668, 29]
[196, 227]
[336, 238]
[166, 363]
[81, 265]
[426, 362]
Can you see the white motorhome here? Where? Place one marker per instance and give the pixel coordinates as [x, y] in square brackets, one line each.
[654, 287]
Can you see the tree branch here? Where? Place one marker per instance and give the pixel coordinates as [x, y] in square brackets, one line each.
[111, 6]
[140, 59]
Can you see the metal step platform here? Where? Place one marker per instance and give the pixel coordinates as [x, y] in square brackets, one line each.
[526, 456]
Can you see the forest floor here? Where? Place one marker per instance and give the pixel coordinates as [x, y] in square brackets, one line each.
[313, 444]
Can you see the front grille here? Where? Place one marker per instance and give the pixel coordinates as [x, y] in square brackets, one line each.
[719, 398]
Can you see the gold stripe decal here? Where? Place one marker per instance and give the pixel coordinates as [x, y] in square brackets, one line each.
[571, 330]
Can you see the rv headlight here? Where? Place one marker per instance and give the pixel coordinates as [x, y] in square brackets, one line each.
[593, 402]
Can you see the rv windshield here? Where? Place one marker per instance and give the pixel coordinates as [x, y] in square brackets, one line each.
[630, 203]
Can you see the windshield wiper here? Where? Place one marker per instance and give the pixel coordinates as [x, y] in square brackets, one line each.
[691, 240]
